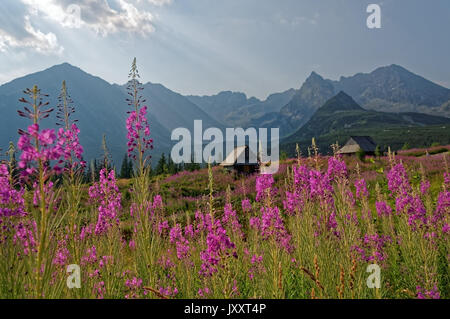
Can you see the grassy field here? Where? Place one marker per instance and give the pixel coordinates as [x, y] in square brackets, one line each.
[394, 137]
[309, 231]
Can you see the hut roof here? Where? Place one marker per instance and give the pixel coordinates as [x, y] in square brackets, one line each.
[240, 155]
[366, 143]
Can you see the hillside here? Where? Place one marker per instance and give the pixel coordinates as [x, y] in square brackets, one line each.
[342, 113]
[341, 117]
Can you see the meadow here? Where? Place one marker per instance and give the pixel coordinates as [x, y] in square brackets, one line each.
[309, 231]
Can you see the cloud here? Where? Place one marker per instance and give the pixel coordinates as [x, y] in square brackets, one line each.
[101, 16]
[159, 2]
[45, 43]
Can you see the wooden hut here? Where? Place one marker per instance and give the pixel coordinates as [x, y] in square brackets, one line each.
[356, 143]
[241, 160]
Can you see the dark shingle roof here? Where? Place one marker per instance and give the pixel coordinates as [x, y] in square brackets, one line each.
[366, 143]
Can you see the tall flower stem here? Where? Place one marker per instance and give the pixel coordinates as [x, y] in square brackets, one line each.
[42, 221]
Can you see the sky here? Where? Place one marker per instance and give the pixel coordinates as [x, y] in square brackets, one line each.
[202, 47]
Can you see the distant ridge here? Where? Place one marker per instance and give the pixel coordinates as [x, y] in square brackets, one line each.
[341, 113]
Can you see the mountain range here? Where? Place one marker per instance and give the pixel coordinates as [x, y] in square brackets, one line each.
[101, 106]
[100, 109]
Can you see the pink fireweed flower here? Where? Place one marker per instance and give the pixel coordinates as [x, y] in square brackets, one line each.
[255, 222]
[95, 274]
[447, 180]
[361, 188]
[372, 247]
[203, 292]
[12, 201]
[165, 261]
[332, 224]
[202, 221]
[86, 232]
[183, 249]
[163, 227]
[307, 185]
[218, 246]
[246, 205]
[189, 231]
[235, 289]
[349, 198]
[230, 218]
[38, 146]
[264, 182]
[168, 291]
[106, 195]
[417, 213]
[99, 289]
[446, 228]
[402, 202]
[427, 294]
[320, 188]
[157, 201]
[424, 187]
[49, 195]
[182, 244]
[271, 226]
[257, 266]
[70, 143]
[398, 180]
[62, 254]
[336, 168]
[414, 208]
[442, 207]
[301, 176]
[138, 132]
[383, 209]
[135, 286]
[293, 202]
[25, 236]
[105, 261]
[175, 233]
[90, 257]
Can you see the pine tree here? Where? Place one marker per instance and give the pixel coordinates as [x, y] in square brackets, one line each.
[87, 174]
[161, 168]
[131, 168]
[125, 169]
[378, 151]
[172, 168]
[107, 161]
[93, 169]
[13, 169]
